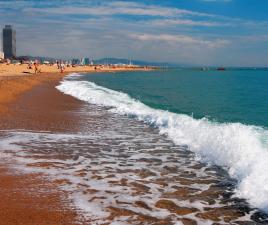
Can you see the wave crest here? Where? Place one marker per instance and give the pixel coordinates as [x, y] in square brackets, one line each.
[241, 149]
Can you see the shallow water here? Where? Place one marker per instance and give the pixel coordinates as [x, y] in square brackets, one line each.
[223, 96]
[120, 170]
[242, 150]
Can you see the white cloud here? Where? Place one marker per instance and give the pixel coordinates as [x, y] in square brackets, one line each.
[100, 28]
[157, 15]
[188, 22]
[181, 39]
[118, 8]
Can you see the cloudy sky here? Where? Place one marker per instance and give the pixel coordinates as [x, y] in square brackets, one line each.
[191, 32]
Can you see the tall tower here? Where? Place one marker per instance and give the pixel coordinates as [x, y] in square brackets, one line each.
[9, 42]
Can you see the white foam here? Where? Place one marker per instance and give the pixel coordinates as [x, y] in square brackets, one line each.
[108, 191]
[85, 205]
[242, 149]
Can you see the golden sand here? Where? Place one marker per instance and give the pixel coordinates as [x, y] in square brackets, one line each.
[29, 198]
[15, 69]
[18, 204]
[12, 86]
[16, 79]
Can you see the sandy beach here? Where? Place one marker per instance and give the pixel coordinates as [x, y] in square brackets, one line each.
[38, 107]
[16, 79]
[133, 112]
[30, 102]
[22, 69]
[30, 198]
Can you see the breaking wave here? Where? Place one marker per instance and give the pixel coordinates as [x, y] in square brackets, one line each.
[241, 149]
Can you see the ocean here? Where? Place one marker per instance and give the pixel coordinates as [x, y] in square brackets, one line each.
[160, 147]
[220, 96]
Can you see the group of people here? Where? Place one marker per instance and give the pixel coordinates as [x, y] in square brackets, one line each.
[37, 69]
[60, 66]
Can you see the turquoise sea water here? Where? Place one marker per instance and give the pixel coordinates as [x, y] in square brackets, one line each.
[223, 96]
[220, 116]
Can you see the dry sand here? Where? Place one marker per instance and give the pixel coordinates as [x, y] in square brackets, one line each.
[16, 79]
[15, 70]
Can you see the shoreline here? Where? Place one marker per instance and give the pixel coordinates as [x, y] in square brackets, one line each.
[8, 70]
[40, 107]
[24, 99]
[32, 198]
[11, 87]
[14, 82]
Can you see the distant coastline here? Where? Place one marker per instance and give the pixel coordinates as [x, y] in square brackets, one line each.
[23, 69]
[16, 79]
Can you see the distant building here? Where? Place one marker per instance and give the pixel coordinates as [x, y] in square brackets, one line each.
[85, 61]
[9, 42]
[2, 55]
[75, 61]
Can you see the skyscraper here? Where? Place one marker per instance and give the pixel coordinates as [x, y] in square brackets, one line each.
[84, 61]
[1, 55]
[9, 42]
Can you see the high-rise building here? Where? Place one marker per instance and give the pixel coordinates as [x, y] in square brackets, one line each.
[2, 55]
[9, 42]
[84, 61]
[75, 61]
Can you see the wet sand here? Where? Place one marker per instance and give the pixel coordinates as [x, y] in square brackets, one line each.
[38, 105]
[12, 86]
[32, 198]
[131, 175]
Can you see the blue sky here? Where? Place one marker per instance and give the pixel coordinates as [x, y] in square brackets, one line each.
[191, 32]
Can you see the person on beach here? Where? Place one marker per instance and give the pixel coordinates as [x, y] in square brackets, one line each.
[62, 67]
[35, 68]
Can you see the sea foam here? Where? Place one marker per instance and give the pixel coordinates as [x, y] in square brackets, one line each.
[241, 149]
